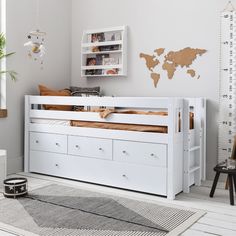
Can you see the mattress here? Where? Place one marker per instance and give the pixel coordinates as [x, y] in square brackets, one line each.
[104, 113]
[51, 122]
[118, 126]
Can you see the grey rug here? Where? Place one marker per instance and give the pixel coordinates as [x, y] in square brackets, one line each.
[57, 210]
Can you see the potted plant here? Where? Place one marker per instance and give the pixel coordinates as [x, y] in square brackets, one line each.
[11, 73]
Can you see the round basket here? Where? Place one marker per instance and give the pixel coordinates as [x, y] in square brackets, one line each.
[15, 187]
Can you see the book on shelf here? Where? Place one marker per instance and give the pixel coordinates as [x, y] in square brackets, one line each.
[94, 72]
[112, 71]
[100, 58]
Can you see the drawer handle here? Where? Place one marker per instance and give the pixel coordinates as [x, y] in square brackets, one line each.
[100, 149]
[124, 152]
[56, 165]
[57, 144]
[153, 155]
[36, 141]
[124, 176]
[77, 146]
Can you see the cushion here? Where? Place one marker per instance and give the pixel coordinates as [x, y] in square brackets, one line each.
[84, 92]
[44, 91]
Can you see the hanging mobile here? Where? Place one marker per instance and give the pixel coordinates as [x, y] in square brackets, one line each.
[35, 43]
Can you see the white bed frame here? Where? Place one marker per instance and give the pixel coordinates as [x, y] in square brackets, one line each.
[141, 161]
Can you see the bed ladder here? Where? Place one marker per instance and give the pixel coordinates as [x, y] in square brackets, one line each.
[193, 144]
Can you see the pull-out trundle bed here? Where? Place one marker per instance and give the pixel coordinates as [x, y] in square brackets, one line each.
[141, 148]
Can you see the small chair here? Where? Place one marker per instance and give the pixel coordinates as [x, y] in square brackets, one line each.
[230, 179]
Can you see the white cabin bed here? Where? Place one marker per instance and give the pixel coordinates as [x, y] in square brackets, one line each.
[142, 161]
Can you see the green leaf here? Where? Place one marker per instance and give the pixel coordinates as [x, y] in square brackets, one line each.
[11, 73]
[6, 55]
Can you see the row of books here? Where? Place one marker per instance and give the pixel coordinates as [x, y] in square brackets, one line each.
[113, 71]
[102, 59]
[102, 37]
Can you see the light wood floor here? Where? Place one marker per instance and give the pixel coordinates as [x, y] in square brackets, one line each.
[220, 217]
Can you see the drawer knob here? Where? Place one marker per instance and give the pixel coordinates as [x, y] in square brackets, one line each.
[57, 144]
[124, 176]
[77, 146]
[37, 141]
[124, 152]
[100, 149]
[56, 165]
[153, 155]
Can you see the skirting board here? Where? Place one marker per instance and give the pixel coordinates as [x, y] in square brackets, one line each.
[14, 165]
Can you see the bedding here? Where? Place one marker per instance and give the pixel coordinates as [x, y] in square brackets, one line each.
[119, 126]
[51, 122]
[44, 91]
[104, 113]
[84, 92]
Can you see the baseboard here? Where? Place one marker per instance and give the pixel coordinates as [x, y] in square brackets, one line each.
[15, 165]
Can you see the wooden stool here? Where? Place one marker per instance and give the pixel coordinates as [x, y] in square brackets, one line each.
[232, 179]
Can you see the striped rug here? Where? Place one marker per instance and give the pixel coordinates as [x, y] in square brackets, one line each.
[58, 210]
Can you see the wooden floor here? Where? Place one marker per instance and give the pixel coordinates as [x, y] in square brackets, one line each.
[220, 217]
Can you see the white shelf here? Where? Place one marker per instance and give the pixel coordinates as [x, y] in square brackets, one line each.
[117, 28]
[102, 67]
[104, 75]
[102, 52]
[107, 43]
[118, 55]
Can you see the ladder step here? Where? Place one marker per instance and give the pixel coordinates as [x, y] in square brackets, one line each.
[194, 148]
[194, 168]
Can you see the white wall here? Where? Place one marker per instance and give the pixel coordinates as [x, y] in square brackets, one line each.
[153, 24]
[55, 19]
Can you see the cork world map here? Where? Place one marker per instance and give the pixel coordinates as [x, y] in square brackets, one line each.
[171, 61]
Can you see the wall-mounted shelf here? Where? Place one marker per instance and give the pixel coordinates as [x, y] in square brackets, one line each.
[104, 52]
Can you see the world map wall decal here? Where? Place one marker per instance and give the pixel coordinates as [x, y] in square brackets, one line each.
[171, 62]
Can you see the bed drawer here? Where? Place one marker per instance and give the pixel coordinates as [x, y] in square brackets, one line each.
[49, 163]
[48, 142]
[143, 178]
[140, 153]
[90, 147]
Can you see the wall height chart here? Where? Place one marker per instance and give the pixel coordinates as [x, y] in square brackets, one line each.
[227, 119]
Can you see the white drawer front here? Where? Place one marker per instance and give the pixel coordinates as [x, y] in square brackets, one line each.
[143, 178]
[90, 147]
[140, 153]
[48, 142]
[123, 175]
[48, 163]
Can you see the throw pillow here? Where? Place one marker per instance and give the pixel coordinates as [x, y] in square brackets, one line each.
[45, 91]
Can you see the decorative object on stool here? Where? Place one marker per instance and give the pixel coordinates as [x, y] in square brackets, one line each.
[15, 187]
[231, 179]
[3, 166]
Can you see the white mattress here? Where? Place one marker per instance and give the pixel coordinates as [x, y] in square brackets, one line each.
[51, 122]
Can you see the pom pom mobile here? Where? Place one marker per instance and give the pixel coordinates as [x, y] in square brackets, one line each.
[35, 43]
